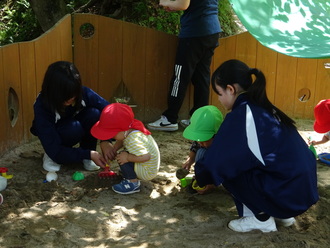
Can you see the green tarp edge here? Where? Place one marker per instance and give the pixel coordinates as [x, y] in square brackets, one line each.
[298, 28]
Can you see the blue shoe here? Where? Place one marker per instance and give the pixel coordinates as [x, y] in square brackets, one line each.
[126, 187]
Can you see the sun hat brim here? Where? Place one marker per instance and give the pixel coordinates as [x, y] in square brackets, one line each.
[322, 116]
[103, 133]
[197, 136]
[321, 128]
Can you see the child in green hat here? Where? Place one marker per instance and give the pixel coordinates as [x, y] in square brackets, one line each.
[204, 124]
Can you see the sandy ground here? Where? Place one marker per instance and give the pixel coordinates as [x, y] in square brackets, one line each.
[87, 213]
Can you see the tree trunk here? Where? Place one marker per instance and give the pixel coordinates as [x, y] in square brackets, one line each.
[48, 12]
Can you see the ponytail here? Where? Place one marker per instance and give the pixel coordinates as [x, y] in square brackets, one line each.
[257, 94]
[236, 72]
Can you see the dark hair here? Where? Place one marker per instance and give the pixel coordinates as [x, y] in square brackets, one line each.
[61, 82]
[236, 72]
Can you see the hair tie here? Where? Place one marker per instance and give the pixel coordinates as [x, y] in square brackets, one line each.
[254, 71]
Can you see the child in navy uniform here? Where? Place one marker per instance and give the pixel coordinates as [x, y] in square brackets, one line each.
[257, 154]
[64, 113]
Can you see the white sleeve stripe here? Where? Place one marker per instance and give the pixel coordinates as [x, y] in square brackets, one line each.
[252, 137]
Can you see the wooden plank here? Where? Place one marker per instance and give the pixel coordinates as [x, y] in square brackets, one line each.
[134, 65]
[53, 39]
[305, 82]
[322, 82]
[159, 52]
[4, 117]
[42, 59]
[49, 49]
[110, 57]
[285, 83]
[246, 48]
[86, 50]
[225, 51]
[65, 38]
[29, 85]
[266, 61]
[13, 95]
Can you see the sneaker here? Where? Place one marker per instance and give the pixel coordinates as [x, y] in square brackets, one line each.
[126, 187]
[285, 222]
[49, 164]
[90, 165]
[163, 125]
[185, 123]
[250, 223]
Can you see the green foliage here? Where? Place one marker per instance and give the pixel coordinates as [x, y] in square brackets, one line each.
[227, 20]
[17, 22]
[148, 13]
[72, 5]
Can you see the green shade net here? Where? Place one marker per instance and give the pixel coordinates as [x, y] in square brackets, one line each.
[298, 28]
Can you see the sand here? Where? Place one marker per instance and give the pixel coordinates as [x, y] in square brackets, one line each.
[87, 213]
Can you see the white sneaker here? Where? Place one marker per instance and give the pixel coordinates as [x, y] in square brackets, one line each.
[90, 165]
[163, 125]
[247, 224]
[285, 222]
[49, 164]
[185, 123]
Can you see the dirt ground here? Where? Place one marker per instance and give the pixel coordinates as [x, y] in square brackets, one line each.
[87, 213]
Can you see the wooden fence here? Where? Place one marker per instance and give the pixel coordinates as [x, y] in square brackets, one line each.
[120, 59]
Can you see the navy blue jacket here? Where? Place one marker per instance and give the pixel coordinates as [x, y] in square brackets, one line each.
[44, 126]
[272, 159]
[200, 19]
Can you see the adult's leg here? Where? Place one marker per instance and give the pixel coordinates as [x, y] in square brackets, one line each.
[201, 77]
[187, 56]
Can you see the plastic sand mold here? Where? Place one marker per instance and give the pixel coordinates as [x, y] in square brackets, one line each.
[325, 158]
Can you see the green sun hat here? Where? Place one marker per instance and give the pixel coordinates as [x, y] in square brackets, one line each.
[204, 124]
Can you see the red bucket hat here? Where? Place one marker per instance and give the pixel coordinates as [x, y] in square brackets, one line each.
[322, 116]
[115, 118]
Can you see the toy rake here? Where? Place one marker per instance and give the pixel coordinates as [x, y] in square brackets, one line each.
[107, 173]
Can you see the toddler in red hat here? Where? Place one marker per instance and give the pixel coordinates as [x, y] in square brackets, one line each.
[140, 158]
[322, 121]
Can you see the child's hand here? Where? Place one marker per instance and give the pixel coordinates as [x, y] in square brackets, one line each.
[187, 165]
[108, 150]
[190, 161]
[206, 189]
[122, 158]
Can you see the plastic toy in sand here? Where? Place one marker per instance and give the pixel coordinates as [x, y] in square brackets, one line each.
[77, 176]
[51, 176]
[3, 183]
[324, 157]
[3, 171]
[186, 181]
[181, 173]
[107, 173]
